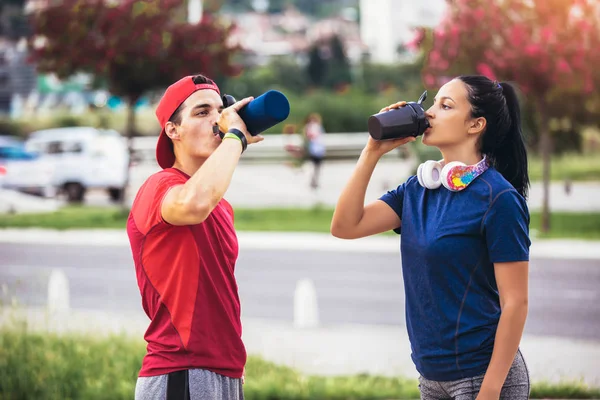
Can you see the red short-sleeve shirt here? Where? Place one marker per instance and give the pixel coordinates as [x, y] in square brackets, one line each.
[186, 279]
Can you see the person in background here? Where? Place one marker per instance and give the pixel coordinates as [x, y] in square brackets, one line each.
[315, 146]
[292, 144]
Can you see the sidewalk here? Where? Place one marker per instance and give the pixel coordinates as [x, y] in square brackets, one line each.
[16, 202]
[277, 185]
[540, 248]
[340, 349]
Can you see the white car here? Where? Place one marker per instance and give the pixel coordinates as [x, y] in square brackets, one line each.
[24, 171]
[83, 158]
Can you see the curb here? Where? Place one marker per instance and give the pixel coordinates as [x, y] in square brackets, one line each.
[540, 248]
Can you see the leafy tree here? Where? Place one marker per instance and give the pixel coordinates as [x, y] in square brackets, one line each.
[548, 47]
[317, 65]
[328, 65]
[134, 46]
[338, 71]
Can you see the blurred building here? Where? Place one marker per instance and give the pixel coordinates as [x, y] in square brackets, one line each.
[263, 36]
[5, 87]
[387, 25]
[17, 76]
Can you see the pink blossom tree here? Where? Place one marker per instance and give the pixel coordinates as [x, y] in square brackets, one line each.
[548, 47]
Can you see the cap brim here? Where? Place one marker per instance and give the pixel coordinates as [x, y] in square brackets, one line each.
[164, 151]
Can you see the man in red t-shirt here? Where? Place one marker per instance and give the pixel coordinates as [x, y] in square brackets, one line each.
[185, 247]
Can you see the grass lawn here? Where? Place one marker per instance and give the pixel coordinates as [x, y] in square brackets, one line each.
[46, 366]
[564, 225]
[577, 167]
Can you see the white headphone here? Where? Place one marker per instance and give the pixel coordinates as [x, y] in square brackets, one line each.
[454, 176]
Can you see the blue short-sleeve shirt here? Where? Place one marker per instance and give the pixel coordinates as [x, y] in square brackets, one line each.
[449, 243]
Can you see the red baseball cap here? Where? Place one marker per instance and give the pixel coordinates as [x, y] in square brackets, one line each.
[174, 96]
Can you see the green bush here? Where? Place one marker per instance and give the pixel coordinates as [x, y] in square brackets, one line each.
[146, 123]
[46, 366]
[282, 72]
[10, 127]
[374, 87]
[65, 121]
[406, 78]
[342, 112]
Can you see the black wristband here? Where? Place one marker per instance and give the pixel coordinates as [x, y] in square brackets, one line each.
[242, 137]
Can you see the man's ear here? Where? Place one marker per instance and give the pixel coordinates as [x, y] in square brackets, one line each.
[171, 130]
[477, 126]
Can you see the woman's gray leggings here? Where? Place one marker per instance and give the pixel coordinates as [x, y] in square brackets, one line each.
[516, 386]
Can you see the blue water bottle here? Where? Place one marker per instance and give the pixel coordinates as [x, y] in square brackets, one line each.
[262, 113]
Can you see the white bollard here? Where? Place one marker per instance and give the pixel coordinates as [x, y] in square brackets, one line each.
[306, 309]
[58, 292]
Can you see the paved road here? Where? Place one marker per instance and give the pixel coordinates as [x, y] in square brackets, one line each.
[564, 294]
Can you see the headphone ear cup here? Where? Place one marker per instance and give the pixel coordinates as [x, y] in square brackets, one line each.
[430, 174]
[228, 100]
[446, 174]
[420, 174]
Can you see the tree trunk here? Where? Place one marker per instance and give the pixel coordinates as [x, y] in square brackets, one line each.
[130, 131]
[546, 153]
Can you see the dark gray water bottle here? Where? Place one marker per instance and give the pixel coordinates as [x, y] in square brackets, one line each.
[399, 123]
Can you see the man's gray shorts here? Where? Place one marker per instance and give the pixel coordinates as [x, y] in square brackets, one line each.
[204, 385]
[516, 386]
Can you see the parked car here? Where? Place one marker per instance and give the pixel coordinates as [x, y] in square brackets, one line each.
[24, 171]
[83, 158]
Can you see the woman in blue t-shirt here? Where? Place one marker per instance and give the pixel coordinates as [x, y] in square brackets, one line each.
[464, 241]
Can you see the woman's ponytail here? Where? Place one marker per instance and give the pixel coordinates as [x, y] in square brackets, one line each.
[510, 154]
[502, 142]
